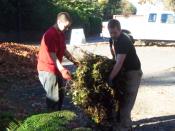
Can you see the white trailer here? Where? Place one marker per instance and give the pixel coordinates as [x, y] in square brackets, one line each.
[156, 26]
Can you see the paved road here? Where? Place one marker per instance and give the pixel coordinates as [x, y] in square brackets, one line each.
[155, 107]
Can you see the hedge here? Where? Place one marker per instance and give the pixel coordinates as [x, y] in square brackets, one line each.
[21, 16]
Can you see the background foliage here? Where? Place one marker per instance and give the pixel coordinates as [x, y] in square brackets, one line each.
[169, 4]
[37, 15]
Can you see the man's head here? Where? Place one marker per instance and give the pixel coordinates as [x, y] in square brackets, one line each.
[114, 28]
[63, 21]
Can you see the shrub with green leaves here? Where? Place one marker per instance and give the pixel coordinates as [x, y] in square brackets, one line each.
[5, 119]
[56, 121]
[90, 90]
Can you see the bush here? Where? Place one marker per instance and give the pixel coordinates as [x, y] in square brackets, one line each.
[84, 15]
[56, 121]
[128, 8]
[5, 119]
[96, 25]
[90, 90]
[31, 16]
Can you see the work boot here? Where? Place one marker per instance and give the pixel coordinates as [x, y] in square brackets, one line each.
[119, 127]
[52, 105]
[125, 129]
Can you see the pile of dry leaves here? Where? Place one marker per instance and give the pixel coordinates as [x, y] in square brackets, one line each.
[18, 63]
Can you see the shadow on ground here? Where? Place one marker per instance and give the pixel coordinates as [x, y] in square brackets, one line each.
[165, 78]
[163, 123]
[32, 100]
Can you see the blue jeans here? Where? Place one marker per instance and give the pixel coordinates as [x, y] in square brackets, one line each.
[52, 85]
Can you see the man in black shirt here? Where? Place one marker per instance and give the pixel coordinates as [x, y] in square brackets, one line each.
[124, 53]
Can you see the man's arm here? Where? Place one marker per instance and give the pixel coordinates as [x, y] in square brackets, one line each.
[111, 43]
[68, 55]
[57, 62]
[117, 66]
[65, 73]
[112, 51]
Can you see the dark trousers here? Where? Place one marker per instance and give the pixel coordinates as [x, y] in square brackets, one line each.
[127, 95]
[52, 85]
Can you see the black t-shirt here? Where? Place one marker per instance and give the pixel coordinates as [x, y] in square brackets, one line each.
[124, 45]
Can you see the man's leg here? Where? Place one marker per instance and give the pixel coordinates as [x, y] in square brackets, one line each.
[51, 105]
[129, 97]
[118, 97]
[54, 94]
[61, 92]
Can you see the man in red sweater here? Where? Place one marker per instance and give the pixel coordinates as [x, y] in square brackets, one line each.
[50, 70]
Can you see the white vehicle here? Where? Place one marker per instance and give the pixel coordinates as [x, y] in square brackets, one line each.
[156, 26]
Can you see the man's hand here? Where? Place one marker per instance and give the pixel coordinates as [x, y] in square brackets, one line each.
[77, 63]
[68, 55]
[117, 66]
[110, 83]
[66, 74]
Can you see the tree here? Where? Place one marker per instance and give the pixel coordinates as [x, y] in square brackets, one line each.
[147, 1]
[26, 15]
[128, 8]
[170, 4]
[103, 2]
[113, 7]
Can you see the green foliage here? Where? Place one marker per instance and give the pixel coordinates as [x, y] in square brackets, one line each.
[39, 15]
[118, 7]
[25, 15]
[56, 121]
[111, 8]
[102, 2]
[128, 8]
[51, 121]
[82, 129]
[95, 24]
[84, 14]
[5, 119]
[170, 4]
[90, 89]
[13, 126]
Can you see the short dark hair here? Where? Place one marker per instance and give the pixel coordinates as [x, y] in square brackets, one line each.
[114, 23]
[66, 16]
